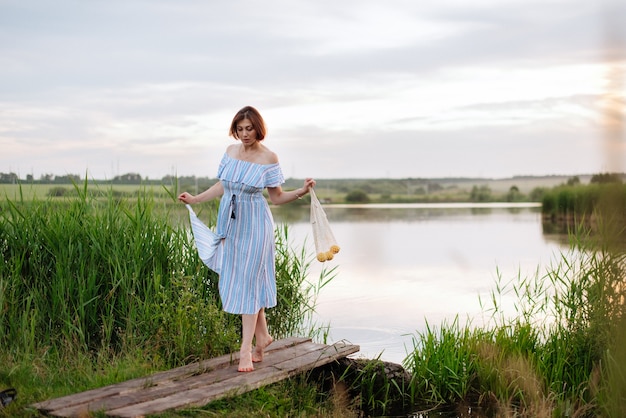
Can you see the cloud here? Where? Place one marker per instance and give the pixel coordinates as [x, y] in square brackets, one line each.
[352, 88]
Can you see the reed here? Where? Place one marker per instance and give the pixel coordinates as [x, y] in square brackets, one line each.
[558, 354]
[95, 275]
[85, 274]
[583, 200]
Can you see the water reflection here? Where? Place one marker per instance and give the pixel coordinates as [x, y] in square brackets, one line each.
[399, 212]
[403, 265]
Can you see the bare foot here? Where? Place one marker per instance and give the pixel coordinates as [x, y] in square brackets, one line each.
[259, 350]
[245, 362]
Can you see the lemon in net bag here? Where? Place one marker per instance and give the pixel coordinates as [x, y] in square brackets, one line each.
[325, 243]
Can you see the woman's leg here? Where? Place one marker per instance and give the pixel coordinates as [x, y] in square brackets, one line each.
[262, 335]
[245, 354]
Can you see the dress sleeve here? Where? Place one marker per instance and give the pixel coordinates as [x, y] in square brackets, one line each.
[221, 167]
[273, 176]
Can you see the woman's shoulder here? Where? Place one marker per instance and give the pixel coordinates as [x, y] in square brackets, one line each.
[266, 156]
[231, 150]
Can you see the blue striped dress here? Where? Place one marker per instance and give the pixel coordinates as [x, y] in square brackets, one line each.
[246, 263]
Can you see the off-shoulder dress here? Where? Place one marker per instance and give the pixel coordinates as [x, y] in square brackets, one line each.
[246, 254]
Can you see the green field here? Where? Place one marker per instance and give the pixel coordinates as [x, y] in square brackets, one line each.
[42, 191]
[329, 190]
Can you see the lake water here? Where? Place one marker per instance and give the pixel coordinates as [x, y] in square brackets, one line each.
[401, 266]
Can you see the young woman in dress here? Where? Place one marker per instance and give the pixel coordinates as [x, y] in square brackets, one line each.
[246, 265]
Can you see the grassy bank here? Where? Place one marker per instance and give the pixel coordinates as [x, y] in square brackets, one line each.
[584, 200]
[95, 289]
[556, 357]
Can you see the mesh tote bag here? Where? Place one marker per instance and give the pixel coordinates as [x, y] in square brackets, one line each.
[325, 243]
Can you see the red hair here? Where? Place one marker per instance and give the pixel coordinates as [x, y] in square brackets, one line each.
[254, 117]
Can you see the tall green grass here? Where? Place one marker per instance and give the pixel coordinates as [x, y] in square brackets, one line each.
[98, 276]
[559, 354]
[583, 200]
[87, 273]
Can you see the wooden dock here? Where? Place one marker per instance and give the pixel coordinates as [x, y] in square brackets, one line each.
[199, 383]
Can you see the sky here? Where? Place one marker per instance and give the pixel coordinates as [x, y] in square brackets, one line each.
[347, 88]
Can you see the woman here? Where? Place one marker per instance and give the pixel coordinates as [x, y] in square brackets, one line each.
[247, 282]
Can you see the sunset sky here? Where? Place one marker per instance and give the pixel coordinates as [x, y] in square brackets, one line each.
[369, 88]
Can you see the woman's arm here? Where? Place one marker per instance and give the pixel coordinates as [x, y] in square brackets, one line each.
[279, 197]
[211, 193]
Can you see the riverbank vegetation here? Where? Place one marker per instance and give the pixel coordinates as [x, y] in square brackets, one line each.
[583, 201]
[95, 289]
[98, 288]
[559, 354]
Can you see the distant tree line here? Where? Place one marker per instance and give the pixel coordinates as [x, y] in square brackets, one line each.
[12, 178]
[128, 178]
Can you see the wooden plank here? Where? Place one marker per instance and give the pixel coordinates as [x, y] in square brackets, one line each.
[156, 379]
[199, 383]
[203, 395]
[145, 395]
[232, 383]
[105, 399]
[266, 374]
[325, 355]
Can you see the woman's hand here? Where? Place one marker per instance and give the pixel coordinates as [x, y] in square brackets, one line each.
[308, 184]
[187, 198]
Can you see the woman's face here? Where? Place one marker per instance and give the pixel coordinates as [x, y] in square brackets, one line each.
[245, 131]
